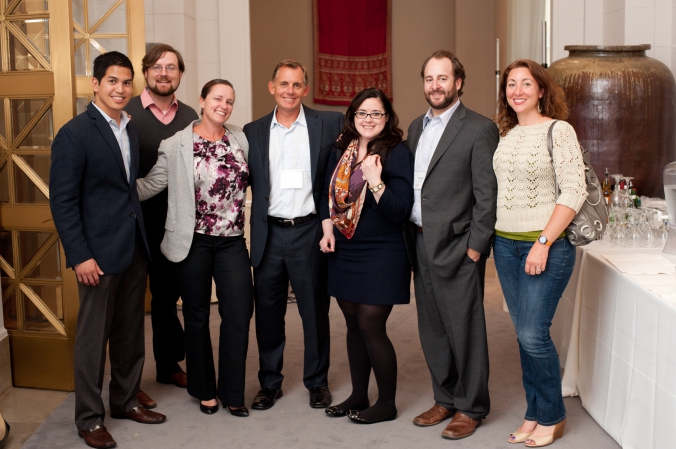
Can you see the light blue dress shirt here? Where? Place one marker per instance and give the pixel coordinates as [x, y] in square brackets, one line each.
[289, 150]
[433, 128]
[121, 135]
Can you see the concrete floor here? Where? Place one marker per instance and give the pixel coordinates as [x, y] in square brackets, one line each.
[27, 409]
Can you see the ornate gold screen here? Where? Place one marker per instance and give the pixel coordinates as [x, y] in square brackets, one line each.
[46, 50]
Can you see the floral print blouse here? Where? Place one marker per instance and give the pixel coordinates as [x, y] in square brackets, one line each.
[221, 175]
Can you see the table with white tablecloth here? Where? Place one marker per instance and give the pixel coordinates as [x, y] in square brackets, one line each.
[616, 337]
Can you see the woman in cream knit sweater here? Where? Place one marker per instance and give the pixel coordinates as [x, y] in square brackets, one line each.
[533, 257]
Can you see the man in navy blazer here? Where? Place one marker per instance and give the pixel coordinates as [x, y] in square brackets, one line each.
[98, 216]
[288, 153]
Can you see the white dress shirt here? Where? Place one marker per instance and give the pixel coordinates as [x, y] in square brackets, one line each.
[290, 169]
[121, 135]
[433, 128]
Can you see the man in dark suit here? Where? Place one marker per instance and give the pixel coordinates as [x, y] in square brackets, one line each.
[288, 154]
[98, 216]
[452, 226]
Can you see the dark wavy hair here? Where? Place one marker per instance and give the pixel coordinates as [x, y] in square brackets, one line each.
[155, 54]
[553, 101]
[388, 138]
[105, 60]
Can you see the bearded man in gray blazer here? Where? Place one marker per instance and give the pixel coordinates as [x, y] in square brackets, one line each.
[452, 225]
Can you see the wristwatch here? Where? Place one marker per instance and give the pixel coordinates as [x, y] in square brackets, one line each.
[544, 240]
[377, 187]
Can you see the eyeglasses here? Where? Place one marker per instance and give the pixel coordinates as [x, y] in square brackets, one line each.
[373, 115]
[168, 68]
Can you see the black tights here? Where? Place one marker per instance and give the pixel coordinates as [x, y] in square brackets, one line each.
[368, 346]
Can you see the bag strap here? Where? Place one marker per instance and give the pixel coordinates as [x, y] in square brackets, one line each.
[550, 147]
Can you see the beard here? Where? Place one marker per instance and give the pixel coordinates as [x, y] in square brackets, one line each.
[164, 92]
[449, 98]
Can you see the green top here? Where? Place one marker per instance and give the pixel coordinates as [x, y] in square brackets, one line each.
[530, 236]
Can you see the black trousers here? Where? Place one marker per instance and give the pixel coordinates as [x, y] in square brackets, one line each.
[111, 314]
[452, 328]
[292, 254]
[226, 261]
[168, 338]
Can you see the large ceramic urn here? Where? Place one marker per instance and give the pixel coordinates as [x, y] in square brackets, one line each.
[623, 108]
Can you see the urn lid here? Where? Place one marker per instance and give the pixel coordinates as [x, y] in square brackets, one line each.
[607, 50]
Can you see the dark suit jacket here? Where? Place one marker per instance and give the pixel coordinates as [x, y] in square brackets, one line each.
[324, 127]
[95, 208]
[459, 192]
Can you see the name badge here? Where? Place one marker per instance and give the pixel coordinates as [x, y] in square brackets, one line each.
[418, 179]
[292, 179]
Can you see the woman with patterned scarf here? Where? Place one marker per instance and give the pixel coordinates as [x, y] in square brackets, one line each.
[368, 198]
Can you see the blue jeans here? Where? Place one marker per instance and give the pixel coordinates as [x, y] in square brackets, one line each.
[532, 302]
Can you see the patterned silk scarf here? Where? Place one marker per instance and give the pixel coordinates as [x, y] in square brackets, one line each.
[345, 215]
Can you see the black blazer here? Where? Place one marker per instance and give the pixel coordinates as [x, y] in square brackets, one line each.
[95, 208]
[459, 194]
[324, 127]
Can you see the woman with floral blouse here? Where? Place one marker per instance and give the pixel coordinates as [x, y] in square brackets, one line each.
[205, 170]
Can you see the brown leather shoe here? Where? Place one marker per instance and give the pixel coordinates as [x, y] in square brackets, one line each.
[433, 416]
[142, 415]
[144, 400]
[97, 437]
[461, 426]
[180, 379]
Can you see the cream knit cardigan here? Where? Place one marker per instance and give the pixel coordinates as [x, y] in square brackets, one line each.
[525, 174]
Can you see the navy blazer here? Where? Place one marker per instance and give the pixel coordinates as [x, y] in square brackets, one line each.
[324, 127]
[96, 210]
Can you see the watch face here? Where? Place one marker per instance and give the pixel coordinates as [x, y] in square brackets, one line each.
[542, 239]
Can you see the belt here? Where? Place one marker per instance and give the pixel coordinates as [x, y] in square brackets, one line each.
[290, 222]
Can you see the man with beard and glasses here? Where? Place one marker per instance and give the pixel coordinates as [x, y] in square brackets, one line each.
[158, 115]
[451, 232]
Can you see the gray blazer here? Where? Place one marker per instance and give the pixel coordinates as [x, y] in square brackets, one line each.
[459, 194]
[174, 170]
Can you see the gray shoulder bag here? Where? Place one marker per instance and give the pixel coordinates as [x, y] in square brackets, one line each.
[590, 223]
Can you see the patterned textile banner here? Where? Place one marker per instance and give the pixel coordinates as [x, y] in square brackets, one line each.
[353, 48]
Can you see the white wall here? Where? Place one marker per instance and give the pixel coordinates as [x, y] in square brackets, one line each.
[616, 22]
[213, 38]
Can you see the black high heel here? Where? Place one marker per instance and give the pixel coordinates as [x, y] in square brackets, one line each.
[241, 412]
[4, 440]
[207, 409]
[334, 412]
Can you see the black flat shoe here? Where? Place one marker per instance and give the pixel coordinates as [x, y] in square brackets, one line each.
[208, 409]
[266, 398]
[4, 440]
[335, 412]
[241, 412]
[354, 416]
[320, 397]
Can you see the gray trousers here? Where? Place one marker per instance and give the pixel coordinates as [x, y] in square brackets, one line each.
[111, 314]
[452, 328]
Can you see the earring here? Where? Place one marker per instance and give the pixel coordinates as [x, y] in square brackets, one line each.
[540, 106]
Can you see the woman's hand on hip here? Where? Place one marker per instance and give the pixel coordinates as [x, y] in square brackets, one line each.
[328, 243]
[536, 262]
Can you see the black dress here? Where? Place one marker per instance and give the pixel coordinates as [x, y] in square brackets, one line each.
[373, 267]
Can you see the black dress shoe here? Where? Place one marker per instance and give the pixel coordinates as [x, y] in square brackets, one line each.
[208, 409]
[320, 397]
[266, 398]
[335, 412]
[241, 412]
[354, 416]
